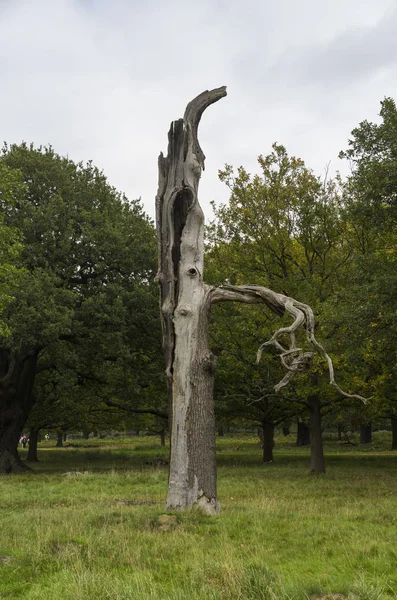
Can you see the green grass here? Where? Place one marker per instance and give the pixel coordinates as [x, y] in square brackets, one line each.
[282, 534]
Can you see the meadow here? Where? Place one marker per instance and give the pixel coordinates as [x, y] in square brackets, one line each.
[89, 523]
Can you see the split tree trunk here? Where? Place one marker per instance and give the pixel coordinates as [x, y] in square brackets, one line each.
[185, 303]
[185, 307]
[33, 441]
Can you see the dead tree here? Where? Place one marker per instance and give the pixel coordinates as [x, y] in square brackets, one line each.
[185, 310]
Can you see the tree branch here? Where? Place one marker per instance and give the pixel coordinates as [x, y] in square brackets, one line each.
[292, 358]
[142, 411]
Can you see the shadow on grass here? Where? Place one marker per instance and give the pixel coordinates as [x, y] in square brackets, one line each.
[243, 454]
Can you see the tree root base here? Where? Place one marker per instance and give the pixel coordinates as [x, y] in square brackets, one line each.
[206, 506]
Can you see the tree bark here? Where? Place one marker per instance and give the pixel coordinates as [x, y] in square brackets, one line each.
[33, 442]
[185, 308]
[317, 461]
[393, 421]
[268, 441]
[366, 433]
[303, 434]
[17, 375]
[286, 429]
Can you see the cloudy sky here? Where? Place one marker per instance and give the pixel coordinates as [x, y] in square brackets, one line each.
[102, 79]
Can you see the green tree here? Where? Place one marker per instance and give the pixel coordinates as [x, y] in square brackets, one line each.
[244, 390]
[283, 229]
[369, 302]
[86, 300]
[11, 191]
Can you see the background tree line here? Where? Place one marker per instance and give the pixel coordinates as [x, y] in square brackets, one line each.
[79, 327]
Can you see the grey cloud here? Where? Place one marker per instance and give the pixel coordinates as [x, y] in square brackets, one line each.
[102, 80]
[356, 54]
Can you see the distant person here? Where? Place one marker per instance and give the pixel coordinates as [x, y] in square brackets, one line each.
[24, 440]
[46, 437]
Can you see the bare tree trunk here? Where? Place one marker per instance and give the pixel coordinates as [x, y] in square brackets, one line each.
[317, 461]
[33, 441]
[185, 309]
[393, 421]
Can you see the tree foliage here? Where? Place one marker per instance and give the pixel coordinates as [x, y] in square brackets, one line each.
[86, 302]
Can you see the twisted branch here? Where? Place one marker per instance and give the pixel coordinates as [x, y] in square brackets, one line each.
[293, 359]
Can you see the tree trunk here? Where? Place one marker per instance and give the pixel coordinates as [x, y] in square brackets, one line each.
[162, 438]
[185, 307]
[268, 441]
[303, 434]
[393, 433]
[59, 443]
[340, 432]
[33, 441]
[86, 434]
[65, 436]
[366, 433]
[286, 429]
[221, 431]
[17, 375]
[317, 462]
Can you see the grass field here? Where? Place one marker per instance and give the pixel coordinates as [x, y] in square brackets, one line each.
[89, 523]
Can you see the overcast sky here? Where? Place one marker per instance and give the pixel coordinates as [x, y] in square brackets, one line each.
[102, 79]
